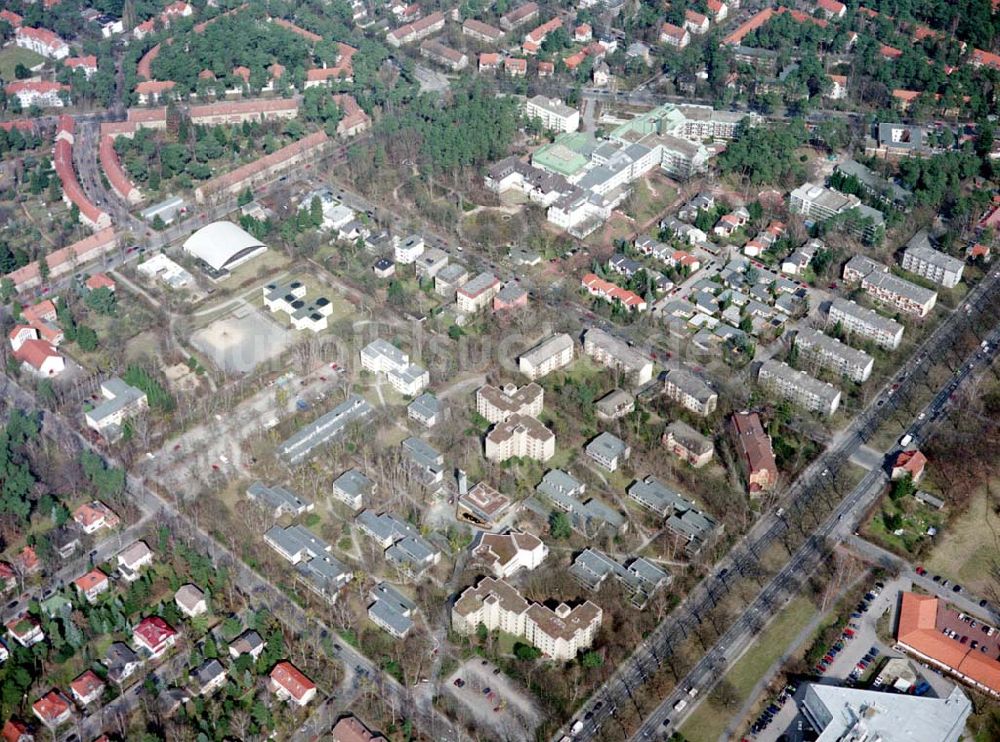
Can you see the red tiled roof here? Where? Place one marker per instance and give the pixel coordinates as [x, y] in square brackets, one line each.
[90, 580]
[86, 684]
[513, 63]
[154, 87]
[538, 34]
[112, 166]
[63, 163]
[42, 36]
[101, 240]
[88, 62]
[598, 285]
[153, 631]
[51, 706]
[35, 352]
[890, 52]
[912, 462]
[145, 67]
[343, 68]
[489, 59]
[289, 677]
[745, 28]
[353, 114]
[988, 59]
[674, 32]
[12, 18]
[39, 86]
[20, 125]
[264, 163]
[831, 6]
[308, 35]
[693, 16]
[13, 730]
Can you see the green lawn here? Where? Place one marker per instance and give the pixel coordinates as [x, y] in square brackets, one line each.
[708, 722]
[14, 55]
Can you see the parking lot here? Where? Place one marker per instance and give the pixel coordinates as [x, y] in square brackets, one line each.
[494, 701]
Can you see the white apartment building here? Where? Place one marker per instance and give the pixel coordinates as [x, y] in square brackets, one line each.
[520, 436]
[920, 258]
[553, 113]
[798, 387]
[559, 634]
[406, 251]
[820, 202]
[547, 356]
[382, 357]
[865, 323]
[498, 404]
[477, 293]
[830, 353]
[508, 553]
[41, 41]
[690, 391]
[612, 352]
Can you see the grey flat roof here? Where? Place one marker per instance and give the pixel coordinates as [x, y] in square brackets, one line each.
[558, 482]
[124, 395]
[326, 428]
[387, 613]
[353, 482]
[295, 539]
[277, 497]
[426, 405]
[607, 445]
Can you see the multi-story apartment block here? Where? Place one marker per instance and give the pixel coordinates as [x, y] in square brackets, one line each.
[608, 450]
[865, 323]
[860, 266]
[798, 387]
[553, 113]
[41, 41]
[435, 51]
[899, 293]
[477, 293]
[819, 202]
[498, 404]
[683, 518]
[522, 437]
[406, 251]
[920, 258]
[480, 31]
[614, 353]
[547, 356]
[508, 553]
[381, 357]
[559, 633]
[756, 454]
[416, 31]
[830, 353]
[688, 444]
[690, 391]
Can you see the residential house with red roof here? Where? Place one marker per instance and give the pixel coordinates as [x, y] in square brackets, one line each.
[87, 687]
[583, 33]
[154, 635]
[695, 22]
[95, 515]
[16, 731]
[36, 355]
[92, 584]
[12, 18]
[86, 64]
[515, 67]
[343, 70]
[100, 281]
[66, 259]
[353, 120]
[608, 291]
[41, 41]
[674, 36]
[909, 464]
[53, 709]
[718, 10]
[832, 8]
[489, 61]
[288, 683]
[151, 91]
[41, 93]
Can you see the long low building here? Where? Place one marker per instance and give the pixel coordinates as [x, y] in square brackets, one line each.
[73, 193]
[559, 633]
[236, 112]
[798, 387]
[263, 169]
[865, 323]
[66, 259]
[615, 353]
[900, 294]
[832, 354]
[547, 356]
[324, 429]
[920, 258]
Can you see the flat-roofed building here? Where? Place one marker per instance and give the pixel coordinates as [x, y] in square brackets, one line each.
[547, 356]
[324, 429]
[920, 258]
[430, 263]
[553, 113]
[832, 354]
[508, 553]
[477, 293]
[690, 391]
[484, 506]
[449, 279]
[382, 357]
[425, 409]
[560, 633]
[615, 353]
[121, 401]
[798, 387]
[865, 323]
[689, 524]
[391, 611]
[497, 404]
[608, 450]
[352, 488]
[295, 543]
[279, 500]
[520, 436]
[688, 444]
[614, 404]
[641, 577]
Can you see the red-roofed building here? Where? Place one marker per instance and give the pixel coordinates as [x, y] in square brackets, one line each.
[8, 577]
[93, 516]
[41, 41]
[243, 73]
[92, 584]
[29, 560]
[150, 91]
[145, 67]
[982, 58]
[918, 634]
[53, 709]
[66, 259]
[111, 164]
[695, 22]
[538, 35]
[718, 10]
[546, 69]
[16, 731]
[756, 454]
[289, 684]
[41, 93]
[889, 52]
[416, 31]
[28, 126]
[154, 635]
[353, 119]
[342, 70]
[674, 36]
[350, 729]
[575, 60]
[515, 67]
[87, 687]
[12, 18]
[73, 193]
[489, 61]
[583, 33]
[735, 37]
[86, 64]
[832, 8]
[838, 90]
[608, 291]
[978, 251]
[42, 317]
[100, 281]
[909, 464]
[307, 35]
[250, 109]
[35, 355]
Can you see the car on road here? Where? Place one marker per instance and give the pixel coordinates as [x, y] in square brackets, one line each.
[459, 682]
[982, 603]
[921, 571]
[956, 589]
